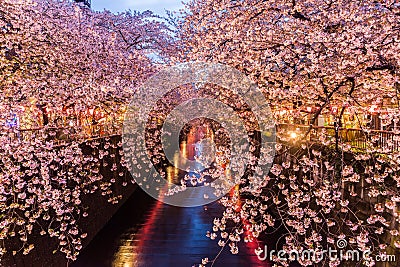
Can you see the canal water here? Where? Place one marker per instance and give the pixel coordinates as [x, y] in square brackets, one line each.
[149, 233]
[146, 232]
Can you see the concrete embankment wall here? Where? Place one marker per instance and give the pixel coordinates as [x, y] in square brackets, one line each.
[99, 209]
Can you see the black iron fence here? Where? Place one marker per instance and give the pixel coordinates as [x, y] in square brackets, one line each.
[385, 141]
[61, 135]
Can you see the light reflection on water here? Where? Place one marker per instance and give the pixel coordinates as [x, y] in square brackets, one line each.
[198, 146]
[182, 228]
[173, 236]
[131, 244]
[125, 256]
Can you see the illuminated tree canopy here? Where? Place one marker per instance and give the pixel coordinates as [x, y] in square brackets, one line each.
[328, 68]
[312, 59]
[63, 68]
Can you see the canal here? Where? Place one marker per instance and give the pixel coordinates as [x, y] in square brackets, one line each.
[146, 232]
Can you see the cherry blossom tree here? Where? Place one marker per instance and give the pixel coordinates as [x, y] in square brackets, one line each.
[311, 59]
[59, 60]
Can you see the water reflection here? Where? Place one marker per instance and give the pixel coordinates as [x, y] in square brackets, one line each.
[173, 236]
[204, 150]
[167, 235]
[125, 256]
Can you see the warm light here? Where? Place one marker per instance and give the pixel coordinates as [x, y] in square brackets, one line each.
[184, 151]
[373, 108]
[32, 100]
[170, 175]
[293, 135]
[176, 164]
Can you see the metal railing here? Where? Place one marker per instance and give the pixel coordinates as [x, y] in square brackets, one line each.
[358, 138]
[361, 139]
[61, 135]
